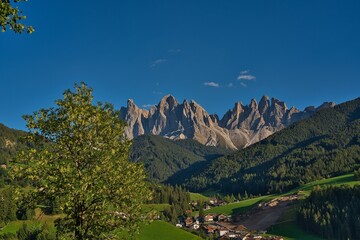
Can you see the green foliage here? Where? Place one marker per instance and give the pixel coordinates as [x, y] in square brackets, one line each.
[9, 145]
[163, 157]
[25, 210]
[9, 236]
[8, 206]
[332, 212]
[11, 17]
[80, 160]
[26, 232]
[201, 210]
[289, 230]
[357, 174]
[175, 196]
[324, 145]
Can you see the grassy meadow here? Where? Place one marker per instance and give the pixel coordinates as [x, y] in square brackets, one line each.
[161, 230]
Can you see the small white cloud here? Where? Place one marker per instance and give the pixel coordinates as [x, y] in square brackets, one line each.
[230, 85]
[148, 105]
[211, 84]
[176, 50]
[157, 62]
[246, 77]
[243, 84]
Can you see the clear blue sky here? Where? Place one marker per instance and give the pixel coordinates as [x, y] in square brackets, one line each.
[303, 52]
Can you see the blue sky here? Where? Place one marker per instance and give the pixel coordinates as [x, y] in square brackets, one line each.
[215, 52]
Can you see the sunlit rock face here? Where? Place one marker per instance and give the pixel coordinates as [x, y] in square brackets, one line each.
[238, 128]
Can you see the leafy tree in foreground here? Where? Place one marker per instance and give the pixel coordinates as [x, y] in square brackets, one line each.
[81, 161]
[11, 16]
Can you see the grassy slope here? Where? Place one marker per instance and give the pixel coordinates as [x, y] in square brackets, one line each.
[286, 225]
[241, 206]
[156, 230]
[156, 207]
[347, 179]
[160, 230]
[288, 228]
[233, 208]
[14, 226]
[198, 197]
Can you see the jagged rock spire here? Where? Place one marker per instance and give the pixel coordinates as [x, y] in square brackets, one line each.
[240, 126]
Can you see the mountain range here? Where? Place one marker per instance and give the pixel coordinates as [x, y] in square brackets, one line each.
[324, 145]
[238, 128]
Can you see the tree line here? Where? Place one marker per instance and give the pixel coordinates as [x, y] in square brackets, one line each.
[177, 198]
[332, 212]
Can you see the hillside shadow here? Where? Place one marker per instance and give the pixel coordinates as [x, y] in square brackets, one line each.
[180, 176]
[272, 161]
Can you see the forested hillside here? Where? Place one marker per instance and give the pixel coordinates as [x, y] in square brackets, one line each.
[164, 157]
[161, 157]
[325, 145]
[332, 212]
[9, 143]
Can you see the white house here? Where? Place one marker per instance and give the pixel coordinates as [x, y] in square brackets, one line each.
[196, 226]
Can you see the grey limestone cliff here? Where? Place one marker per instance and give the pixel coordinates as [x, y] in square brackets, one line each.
[239, 127]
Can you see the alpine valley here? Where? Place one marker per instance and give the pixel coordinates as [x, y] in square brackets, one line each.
[262, 171]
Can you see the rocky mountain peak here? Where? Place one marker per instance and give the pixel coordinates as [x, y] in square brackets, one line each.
[276, 102]
[326, 105]
[238, 108]
[168, 102]
[264, 104]
[130, 103]
[239, 127]
[253, 103]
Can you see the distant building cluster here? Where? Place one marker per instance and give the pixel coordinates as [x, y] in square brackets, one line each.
[216, 225]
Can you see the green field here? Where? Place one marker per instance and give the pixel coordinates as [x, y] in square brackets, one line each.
[290, 231]
[156, 207]
[160, 230]
[288, 228]
[348, 179]
[286, 225]
[198, 197]
[14, 226]
[233, 208]
[244, 205]
[156, 230]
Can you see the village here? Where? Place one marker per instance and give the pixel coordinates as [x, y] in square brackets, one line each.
[221, 226]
